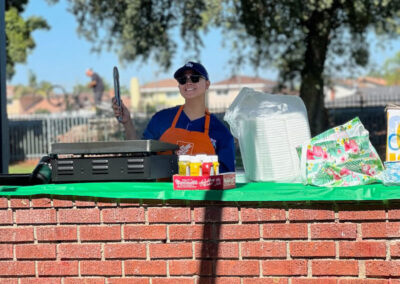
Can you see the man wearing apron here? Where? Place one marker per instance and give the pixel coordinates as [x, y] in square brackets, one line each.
[190, 126]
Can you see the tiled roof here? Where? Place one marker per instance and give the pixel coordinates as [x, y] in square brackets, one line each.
[10, 91]
[44, 104]
[241, 80]
[362, 82]
[373, 96]
[28, 101]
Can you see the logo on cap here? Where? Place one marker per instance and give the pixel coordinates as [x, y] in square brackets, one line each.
[189, 64]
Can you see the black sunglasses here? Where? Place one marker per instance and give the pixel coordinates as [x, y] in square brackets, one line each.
[194, 78]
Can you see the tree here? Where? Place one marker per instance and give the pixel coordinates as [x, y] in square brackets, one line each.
[19, 41]
[301, 38]
[391, 70]
[33, 88]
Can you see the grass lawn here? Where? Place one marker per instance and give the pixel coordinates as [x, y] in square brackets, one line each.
[22, 167]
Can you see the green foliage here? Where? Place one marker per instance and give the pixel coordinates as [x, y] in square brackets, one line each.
[42, 111]
[79, 88]
[18, 34]
[301, 38]
[391, 70]
[38, 88]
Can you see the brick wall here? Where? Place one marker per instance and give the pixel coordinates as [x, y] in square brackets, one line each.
[102, 241]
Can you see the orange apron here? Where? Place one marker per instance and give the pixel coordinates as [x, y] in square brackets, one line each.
[190, 142]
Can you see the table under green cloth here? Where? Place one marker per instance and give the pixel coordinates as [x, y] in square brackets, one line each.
[262, 191]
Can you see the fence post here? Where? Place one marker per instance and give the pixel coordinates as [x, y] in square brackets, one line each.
[4, 132]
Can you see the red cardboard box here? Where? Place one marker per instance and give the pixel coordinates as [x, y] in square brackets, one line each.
[222, 181]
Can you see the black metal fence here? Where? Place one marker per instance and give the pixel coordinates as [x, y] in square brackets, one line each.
[31, 136]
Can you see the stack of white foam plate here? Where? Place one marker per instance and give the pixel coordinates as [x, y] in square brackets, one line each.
[268, 147]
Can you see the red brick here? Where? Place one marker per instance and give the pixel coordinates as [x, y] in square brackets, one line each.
[85, 203]
[190, 267]
[173, 281]
[79, 216]
[169, 215]
[238, 232]
[274, 280]
[56, 234]
[314, 281]
[264, 249]
[310, 214]
[220, 280]
[16, 235]
[367, 212]
[143, 232]
[127, 280]
[85, 281]
[14, 268]
[8, 281]
[3, 202]
[380, 230]
[41, 280]
[6, 251]
[79, 251]
[101, 268]
[6, 217]
[106, 203]
[123, 215]
[381, 268]
[41, 251]
[312, 249]
[124, 250]
[57, 268]
[57, 203]
[190, 232]
[395, 250]
[100, 233]
[144, 267]
[334, 268]
[263, 215]
[171, 250]
[285, 231]
[363, 281]
[41, 202]
[394, 214]
[333, 231]
[131, 203]
[216, 214]
[362, 249]
[19, 203]
[237, 268]
[216, 250]
[284, 267]
[36, 216]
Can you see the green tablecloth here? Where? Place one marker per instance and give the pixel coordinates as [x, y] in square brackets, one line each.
[265, 191]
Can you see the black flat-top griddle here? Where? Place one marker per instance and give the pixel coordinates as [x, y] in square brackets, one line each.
[131, 160]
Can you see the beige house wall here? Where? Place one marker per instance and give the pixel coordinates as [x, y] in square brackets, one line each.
[219, 96]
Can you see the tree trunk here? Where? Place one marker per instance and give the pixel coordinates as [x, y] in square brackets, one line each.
[312, 82]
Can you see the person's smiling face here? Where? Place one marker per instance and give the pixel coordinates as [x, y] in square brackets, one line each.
[191, 90]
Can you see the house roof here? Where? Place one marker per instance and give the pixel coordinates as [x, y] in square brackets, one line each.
[245, 80]
[372, 96]
[362, 82]
[10, 91]
[28, 101]
[44, 104]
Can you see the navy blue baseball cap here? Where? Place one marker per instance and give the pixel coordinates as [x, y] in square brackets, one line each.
[194, 66]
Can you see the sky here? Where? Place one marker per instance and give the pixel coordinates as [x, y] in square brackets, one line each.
[62, 57]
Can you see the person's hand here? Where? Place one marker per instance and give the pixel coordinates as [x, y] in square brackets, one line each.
[121, 112]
